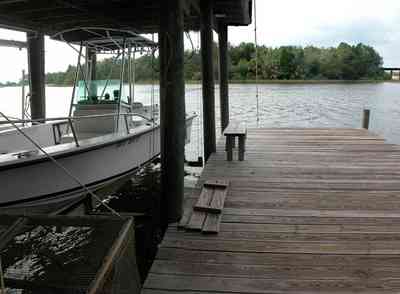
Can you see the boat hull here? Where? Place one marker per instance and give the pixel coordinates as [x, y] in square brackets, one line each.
[41, 185]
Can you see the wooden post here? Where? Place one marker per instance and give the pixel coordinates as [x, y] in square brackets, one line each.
[224, 74]
[172, 109]
[366, 117]
[229, 147]
[242, 144]
[206, 7]
[37, 75]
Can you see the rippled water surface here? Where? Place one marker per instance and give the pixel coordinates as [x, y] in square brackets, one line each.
[323, 105]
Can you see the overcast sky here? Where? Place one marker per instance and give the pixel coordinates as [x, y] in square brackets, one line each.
[283, 22]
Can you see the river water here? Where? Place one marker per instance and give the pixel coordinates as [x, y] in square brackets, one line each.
[280, 105]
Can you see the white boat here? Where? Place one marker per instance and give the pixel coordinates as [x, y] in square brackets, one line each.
[106, 137]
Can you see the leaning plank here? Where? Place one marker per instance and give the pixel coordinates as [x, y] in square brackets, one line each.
[212, 197]
[216, 204]
[212, 223]
[196, 221]
[204, 200]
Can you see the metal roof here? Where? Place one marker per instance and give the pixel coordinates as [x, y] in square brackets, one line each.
[143, 16]
[104, 39]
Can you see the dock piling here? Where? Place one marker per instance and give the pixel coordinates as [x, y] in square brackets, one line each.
[207, 67]
[36, 56]
[366, 117]
[224, 73]
[172, 109]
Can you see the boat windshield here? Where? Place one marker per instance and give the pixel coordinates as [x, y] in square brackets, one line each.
[100, 92]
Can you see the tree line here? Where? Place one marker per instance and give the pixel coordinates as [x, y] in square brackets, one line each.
[344, 62]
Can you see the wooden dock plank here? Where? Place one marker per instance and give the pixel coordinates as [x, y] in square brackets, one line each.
[256, 285]
[308, 211]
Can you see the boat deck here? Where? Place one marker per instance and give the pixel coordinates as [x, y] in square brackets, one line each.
[308, 211]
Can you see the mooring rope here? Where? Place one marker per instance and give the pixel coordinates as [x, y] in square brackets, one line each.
[64, 169]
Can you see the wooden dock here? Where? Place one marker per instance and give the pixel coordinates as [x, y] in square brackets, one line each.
[308, 211]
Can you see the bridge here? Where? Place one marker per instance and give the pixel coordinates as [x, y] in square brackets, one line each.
[392, 70]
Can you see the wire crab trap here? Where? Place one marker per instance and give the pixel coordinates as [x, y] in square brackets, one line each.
[59, 254]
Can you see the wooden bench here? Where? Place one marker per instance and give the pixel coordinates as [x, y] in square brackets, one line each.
[233, 130]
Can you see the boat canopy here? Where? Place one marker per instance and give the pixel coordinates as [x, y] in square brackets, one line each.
[105, 40]
[101, 92]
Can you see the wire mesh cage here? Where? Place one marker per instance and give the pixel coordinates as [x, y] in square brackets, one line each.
[68, 255]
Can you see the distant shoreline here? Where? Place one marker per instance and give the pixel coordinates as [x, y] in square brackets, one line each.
[267, 82]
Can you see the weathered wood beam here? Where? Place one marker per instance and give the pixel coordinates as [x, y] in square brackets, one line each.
[207, 66]
[13, 43]
[172, 109]
[17, 23]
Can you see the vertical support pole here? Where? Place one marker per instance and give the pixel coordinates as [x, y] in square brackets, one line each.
[229, 148]
[37, 74]
[172, 109]
[121, 84]
[133, 75]
[242, 144]
[76, 78]
[92, 58]
[366, 117]
[224, 74]
[130, 74]
[23, 96]
[206, 9]
[91, 71]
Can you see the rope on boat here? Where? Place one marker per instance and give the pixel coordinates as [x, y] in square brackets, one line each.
[256, 51]
[199, 109]
[64, 169]
[152, 98]
[2, 284]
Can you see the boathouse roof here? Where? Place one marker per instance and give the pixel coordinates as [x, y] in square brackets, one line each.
[104, 40]
[50, 17]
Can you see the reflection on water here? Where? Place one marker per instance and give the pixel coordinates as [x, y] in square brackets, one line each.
[56, 259]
